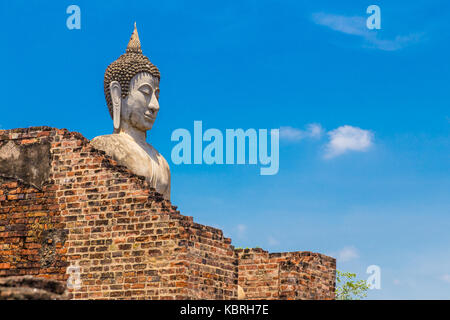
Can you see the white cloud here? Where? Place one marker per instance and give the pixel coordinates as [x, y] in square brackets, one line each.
[313, 130]
[446, 278]
[348, 25]
[391, 45]
[357, 26]
[291, 134]
[347, 254]
[347, 138]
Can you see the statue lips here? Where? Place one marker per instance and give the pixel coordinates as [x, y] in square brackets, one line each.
[150, 114]
[149, 118]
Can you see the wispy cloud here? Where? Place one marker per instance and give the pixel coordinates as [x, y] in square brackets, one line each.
[356, 26]
[399, 42]
[347, 138]
[446, 278]
[290, 134]
[347, 254]
[348, 25]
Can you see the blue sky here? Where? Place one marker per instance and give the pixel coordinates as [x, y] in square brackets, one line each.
[364, 115]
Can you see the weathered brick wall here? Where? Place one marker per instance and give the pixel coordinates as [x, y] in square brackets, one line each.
[32, 288]
[127, 240]
[69, 205]
[212, 264]
[32, 233]
[288, 275]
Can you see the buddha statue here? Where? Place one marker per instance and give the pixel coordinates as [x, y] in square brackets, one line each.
[131, 88]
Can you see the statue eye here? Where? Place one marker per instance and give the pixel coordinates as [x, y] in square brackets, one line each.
[146, 90]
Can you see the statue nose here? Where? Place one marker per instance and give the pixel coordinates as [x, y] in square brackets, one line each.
[154, 105]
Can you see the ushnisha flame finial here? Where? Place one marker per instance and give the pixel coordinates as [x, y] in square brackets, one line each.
[134, 46]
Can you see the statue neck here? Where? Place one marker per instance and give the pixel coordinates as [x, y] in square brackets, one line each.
[138, 135]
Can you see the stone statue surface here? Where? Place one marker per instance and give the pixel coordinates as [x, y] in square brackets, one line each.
[131, 88]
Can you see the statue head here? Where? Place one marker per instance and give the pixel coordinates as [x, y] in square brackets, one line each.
[131, 87]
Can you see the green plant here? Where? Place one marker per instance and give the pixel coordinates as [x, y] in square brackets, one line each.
[348, 288]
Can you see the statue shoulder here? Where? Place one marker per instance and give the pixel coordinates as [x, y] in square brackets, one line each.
[101, 142]
[113, 144]
[164, 164]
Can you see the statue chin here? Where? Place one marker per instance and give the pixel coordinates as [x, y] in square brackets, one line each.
[140, 158]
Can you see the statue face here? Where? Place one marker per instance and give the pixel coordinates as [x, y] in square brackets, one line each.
[141, 106]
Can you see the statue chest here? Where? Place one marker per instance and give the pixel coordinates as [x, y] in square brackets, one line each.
[150, 164]
[141, 160]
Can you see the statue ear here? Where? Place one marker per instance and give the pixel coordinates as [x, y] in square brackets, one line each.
[116, 98]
